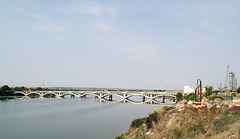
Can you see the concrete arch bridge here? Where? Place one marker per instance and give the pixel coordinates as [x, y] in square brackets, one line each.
[107, 96]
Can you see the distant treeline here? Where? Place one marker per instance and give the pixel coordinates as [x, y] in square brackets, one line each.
[159, 90]
[5, 90]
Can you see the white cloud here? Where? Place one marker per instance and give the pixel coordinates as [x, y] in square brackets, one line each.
[40, 17]
[99, 10]
[90, 9]
[18, 8]
[49, 27]
[103, 27]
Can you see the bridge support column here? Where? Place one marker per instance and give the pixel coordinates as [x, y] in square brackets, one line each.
[163, 99]
[110, 98]
[174, 98]
[72, 96]
[124, 96]
[143, 98]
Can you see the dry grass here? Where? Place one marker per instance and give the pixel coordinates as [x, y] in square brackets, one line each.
[190, 123]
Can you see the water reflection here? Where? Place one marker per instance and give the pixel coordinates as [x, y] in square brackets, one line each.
[132, 100]
[2, 98]
[67, 118]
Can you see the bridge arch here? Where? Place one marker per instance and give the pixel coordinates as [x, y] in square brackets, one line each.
[25, 94]
[34, 93]
[50, 93]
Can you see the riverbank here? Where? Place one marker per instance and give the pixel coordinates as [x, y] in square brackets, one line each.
[209, 119]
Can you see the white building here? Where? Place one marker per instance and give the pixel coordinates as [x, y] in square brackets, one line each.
[188, 89]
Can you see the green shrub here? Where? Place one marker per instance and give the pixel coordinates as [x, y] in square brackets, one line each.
[152, 117]
[165, 108]
[209, 91]
[179, 96]
[137, 122]
[213, 97]
[188, 107]
[120, 137]
[238, 90]
[177, 132]
[190, 96]
[225, 120]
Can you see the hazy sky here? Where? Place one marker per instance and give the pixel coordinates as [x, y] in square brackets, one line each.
[118, 43]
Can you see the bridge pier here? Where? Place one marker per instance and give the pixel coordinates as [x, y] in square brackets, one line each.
[163, 99]
[110, 98]
[174, 98]
[72, 96]
[143, 98]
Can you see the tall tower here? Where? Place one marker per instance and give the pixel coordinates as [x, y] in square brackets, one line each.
[236, 87]
[232, 80]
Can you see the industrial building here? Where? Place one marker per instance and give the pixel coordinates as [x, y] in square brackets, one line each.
[232, 82]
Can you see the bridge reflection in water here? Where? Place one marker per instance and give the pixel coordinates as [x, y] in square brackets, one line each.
[157, 98]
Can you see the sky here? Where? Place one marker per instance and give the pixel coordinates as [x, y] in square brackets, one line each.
[140, 44]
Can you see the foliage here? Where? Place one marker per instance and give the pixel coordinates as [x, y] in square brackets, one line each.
[190, 96]
[179, 96]
[152, 117]
[209, 91]
[238, 90]
[188, 107]
[120, 137]
[177, 132]
[213, 97]
[137, 123]
[6, 91]
[165, 108]
[159, 90]
[225, 120]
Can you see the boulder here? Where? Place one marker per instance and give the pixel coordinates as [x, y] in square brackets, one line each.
[204, 100]
[217, 100]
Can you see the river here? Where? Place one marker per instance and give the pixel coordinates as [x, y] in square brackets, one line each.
[67, 118]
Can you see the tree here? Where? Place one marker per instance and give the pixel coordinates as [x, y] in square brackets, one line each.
[190, 96]
[18, 89]
[209, 91]
[179, 96]
[238, 90]
[6, 91]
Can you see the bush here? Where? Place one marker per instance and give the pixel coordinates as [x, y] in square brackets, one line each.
[190, 97]
[120, 137]
[152, 117]
[165, 108]
[226, 119]
[238, 90]
[177, 132]
[179, 96]
[213, 97]
[137, 123]
[209, 91]
[6, 91]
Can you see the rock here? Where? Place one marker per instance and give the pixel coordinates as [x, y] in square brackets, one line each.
[230, 106]
[217, 100]
[190, 102]
[180, 106]
[209, 106]
[183, 102]
[236, 101]
[204, 100]
[197, 106]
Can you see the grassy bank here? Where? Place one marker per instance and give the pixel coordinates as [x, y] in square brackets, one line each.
[187, 121]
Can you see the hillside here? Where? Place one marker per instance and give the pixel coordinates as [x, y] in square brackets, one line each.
[189, 120]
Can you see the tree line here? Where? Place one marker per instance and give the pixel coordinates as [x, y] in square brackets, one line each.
[5, 90]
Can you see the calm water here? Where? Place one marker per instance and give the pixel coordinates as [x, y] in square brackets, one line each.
[68, 118]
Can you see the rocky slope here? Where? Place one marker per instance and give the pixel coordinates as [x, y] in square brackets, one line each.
[217, 119]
